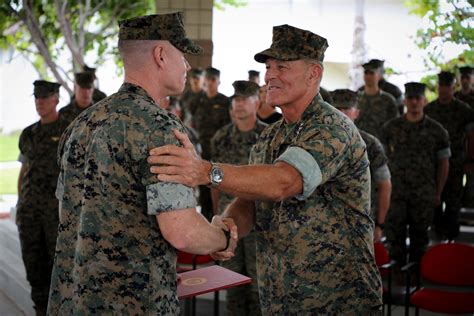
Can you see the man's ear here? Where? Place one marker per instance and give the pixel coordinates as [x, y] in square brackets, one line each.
[315, 72]
[159, 55]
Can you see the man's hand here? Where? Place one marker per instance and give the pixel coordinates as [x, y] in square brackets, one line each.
[226, 224]
[179, 164]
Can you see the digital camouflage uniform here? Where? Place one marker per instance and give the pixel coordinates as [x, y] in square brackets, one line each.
[413, 149]
[379, 170]
[315, 254]
[458, 119]
[393, 90]
[346, 99]
[37, 208]
[111, 257]
[187, 99]
[229, 145]
[375, 110]
[468, 195]
[208, 115]
[72, 110]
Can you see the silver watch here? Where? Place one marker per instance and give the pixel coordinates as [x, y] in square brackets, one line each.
[216, 175]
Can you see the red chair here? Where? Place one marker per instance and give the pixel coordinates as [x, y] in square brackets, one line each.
[382, 259]
[189, 259]
[446, 266]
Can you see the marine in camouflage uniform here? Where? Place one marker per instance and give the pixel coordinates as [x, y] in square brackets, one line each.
[97, 95]
[417, 147]
[193, 92]
[458, 119]
[112, 257]
[307, 191]
[232, 145]
[466, 95]
[376, 106]
[209, 112]
[37, 208]
[389, 87]
[83, 97]
[345, 100]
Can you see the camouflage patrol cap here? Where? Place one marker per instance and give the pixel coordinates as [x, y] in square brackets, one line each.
[167, 27]
[344, 98]
[373, 64]
[243, 88]
[465, 71]
[253, 73]
[43, 89]
[446, 78]
[84, 79]
[291, 43]
[414, 89]
[212, 72]
[196, 72]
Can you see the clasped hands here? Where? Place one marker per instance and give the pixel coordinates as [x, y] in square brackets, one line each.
[228, 225]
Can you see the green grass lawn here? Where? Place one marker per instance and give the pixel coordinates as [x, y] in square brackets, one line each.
[9, 146]
[9, 180]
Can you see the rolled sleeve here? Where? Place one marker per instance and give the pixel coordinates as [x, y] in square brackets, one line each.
[306, 165]
[443, 153]
[382, 173]
[164, 196]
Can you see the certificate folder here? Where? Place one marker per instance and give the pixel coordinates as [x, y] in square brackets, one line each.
[208, 279]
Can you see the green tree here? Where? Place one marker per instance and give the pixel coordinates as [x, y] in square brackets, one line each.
[45, 31]
[446, 22]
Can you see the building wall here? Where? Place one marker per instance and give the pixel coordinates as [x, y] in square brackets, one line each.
[198, 24]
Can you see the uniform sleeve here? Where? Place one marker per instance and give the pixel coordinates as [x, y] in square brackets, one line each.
[393, 109]
[164, 196]
[443, 149]
[318, 156]
[469, 116]
[382, 173]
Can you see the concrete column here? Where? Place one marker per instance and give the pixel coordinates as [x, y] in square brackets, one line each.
[198, 24]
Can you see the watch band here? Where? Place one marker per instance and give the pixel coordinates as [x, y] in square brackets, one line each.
[227, 236]
[380, 225]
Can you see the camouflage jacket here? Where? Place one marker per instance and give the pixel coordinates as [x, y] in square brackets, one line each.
[413, 149]
[187, 100]
[457, 118]
[315, 255]
[466, 98]
[208, 115]
[378, 160]
[229, 145]
[38, 146]
[375, 110]
[111, 257]
[71, 111]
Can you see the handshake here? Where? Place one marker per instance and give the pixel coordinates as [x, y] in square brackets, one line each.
[231, 233]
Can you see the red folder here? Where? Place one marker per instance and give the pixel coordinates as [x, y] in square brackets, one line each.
[208, 279]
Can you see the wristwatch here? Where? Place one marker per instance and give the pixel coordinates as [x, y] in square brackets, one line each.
[216, 175]
[380, 225]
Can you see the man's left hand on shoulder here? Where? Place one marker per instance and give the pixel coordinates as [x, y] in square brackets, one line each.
[176, 164]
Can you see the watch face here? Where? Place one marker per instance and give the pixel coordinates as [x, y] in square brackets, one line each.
[217, 175]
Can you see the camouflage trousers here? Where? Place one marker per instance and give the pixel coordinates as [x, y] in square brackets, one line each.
[468, 195]
[446, 221]
[38, 230]
[243, 300]
[411, 217]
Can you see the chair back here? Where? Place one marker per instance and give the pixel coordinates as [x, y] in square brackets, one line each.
[449, 264]
[381, 254]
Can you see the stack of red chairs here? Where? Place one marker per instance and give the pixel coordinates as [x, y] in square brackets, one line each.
[447, 271]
